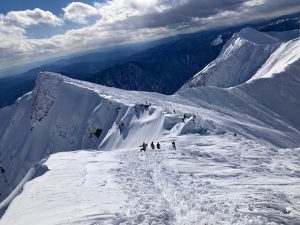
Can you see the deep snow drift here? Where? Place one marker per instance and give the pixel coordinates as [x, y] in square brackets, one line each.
[213, 177]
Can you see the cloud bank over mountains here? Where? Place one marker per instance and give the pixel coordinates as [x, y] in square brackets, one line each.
[84, 26]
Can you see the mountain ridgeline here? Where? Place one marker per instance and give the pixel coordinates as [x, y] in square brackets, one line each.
[161, 66]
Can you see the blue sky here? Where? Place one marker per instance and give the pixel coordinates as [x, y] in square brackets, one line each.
[37, 30]
[54, 6]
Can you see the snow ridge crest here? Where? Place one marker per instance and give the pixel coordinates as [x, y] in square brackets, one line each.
[256, 37]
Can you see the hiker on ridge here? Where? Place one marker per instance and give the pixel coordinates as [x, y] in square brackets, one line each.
[173, 144]
[152, 145]
[158, 145]
[144, 147]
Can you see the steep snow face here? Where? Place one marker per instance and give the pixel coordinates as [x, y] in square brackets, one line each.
[239, 60]
[208, 179]
[284, 60]
[276, 96]
[277, 84]
[61, 115]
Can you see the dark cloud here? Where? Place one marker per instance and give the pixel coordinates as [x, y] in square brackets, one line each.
[199, 10]
[182, 13]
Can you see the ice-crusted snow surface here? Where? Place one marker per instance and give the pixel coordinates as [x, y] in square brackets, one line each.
[209, 179]
[241, 58]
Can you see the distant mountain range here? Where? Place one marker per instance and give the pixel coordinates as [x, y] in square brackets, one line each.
[161, 66]
[164, 68]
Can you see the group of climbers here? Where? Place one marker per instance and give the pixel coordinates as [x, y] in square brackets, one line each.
[152, 145]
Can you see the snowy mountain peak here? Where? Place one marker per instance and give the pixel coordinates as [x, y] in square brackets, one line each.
[241, 57]
[48, 80]
[256, 37]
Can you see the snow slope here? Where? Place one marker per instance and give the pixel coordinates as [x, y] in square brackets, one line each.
[210, 179]
[61, 115]
[241, 57]
[284, 60]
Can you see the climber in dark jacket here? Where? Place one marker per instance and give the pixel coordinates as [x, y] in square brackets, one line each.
[152, 145]
[173, 144]
[158, 145]
[144, 147]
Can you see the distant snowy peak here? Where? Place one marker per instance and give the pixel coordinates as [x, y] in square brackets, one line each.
[256, 37]
[241, 57]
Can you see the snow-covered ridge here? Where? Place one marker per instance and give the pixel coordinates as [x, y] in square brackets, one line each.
[241, 57]
[285, 57]
[62, 114]
[256, 37]
[70, 115]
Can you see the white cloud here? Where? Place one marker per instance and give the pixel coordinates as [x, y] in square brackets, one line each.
[32, 17]
[78, 12]
[118, 10]
[15, 47]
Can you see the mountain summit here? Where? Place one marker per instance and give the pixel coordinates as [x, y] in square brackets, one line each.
[241, 58]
